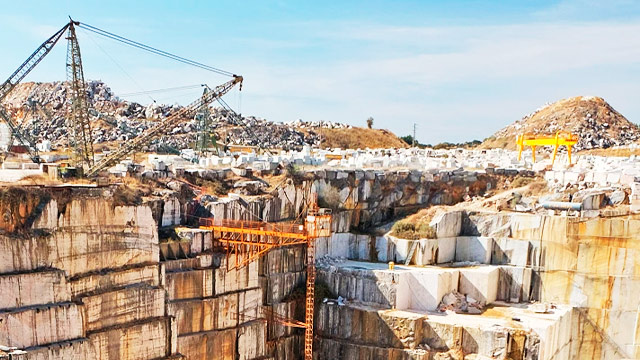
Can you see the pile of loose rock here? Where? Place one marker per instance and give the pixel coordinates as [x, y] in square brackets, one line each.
[322, 124]
[597, 124]
[460, 303]
[42, 110]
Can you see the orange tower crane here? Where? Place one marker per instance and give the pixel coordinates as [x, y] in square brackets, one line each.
[247, 241]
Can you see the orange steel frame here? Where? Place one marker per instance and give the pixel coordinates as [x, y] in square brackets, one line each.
[249, 240]
[561, 138]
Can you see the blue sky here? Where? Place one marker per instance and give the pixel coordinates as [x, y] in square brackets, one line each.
[459, 69]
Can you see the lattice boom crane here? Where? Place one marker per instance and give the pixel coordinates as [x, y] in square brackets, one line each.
[159, 129]
[15, 78]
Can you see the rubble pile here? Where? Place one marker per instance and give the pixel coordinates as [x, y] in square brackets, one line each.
[597, 124]
[322, 124]
[460, 303]
[255, 131]
[42, 109]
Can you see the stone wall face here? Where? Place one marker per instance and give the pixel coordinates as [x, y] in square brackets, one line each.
[591, 264]
[93, 280]
[84, 282]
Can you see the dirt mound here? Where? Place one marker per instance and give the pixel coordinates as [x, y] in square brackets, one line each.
[598, 125]
[359, 138]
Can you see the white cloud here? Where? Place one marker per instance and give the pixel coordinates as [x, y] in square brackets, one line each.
[398, 88]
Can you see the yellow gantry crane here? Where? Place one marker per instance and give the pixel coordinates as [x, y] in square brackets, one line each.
[561, 138]
[246, 241]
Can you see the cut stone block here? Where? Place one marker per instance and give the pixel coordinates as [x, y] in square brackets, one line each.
[474, 249]
[148, 274]
[447, 224]
[123, 306]
[514, 284]
[423, 289]
[41, 325]
[508, 251]
[252, 340]
[34, 288]
[481, 283]
[245, 277]
[210, 345]
[190, 284]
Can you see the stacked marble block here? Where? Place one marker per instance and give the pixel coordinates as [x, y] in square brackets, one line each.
[217, 309]
[357, 331]
[486, 273]
[422, 289]
[60, 300]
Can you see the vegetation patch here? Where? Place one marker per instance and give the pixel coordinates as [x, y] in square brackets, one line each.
[125, 195]
[405, 229]
[417, 226]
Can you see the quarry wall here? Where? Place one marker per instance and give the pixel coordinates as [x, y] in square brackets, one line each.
[94, 280]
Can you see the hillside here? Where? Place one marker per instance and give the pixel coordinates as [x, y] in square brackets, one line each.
[41, 109]
[598, 125]
[359, 138]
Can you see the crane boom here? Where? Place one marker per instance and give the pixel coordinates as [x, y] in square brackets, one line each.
[14, 80]
[159, 129]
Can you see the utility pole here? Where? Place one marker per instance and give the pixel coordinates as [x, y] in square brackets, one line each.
[413, 140]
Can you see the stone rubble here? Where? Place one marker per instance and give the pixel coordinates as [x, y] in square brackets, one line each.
[597, 124]
[460, 303]
[115, 119]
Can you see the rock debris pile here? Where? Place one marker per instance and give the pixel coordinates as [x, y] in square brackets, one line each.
[460, 303]
[597, 124]
[42, 109]
[322, 124]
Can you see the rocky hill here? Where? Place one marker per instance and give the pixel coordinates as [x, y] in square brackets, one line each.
[41, 110]
[597, 124]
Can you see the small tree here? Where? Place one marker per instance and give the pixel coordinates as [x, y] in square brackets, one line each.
[408, 139]
[370, 122]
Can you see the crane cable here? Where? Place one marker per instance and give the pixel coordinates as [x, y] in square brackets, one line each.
[144, 92]
[116, 63]
[153, 50]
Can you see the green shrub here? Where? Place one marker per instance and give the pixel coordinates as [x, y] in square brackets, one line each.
[406, 230]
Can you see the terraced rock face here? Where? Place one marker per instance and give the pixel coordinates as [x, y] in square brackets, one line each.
[597, 124]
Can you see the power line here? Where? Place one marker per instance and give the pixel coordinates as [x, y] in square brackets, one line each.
[153, 50]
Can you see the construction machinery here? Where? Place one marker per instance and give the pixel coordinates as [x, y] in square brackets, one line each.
[23, 70]
[245, 241]
[161, 127]
[561, 138]
[204, 137]
[78, 123]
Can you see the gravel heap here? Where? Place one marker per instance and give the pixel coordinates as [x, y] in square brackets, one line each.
[597, 124]
[41, 109]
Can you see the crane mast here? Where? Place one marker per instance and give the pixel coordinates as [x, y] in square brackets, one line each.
[160, 128]
[78, 125]
[43, 50]
[203, 118]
